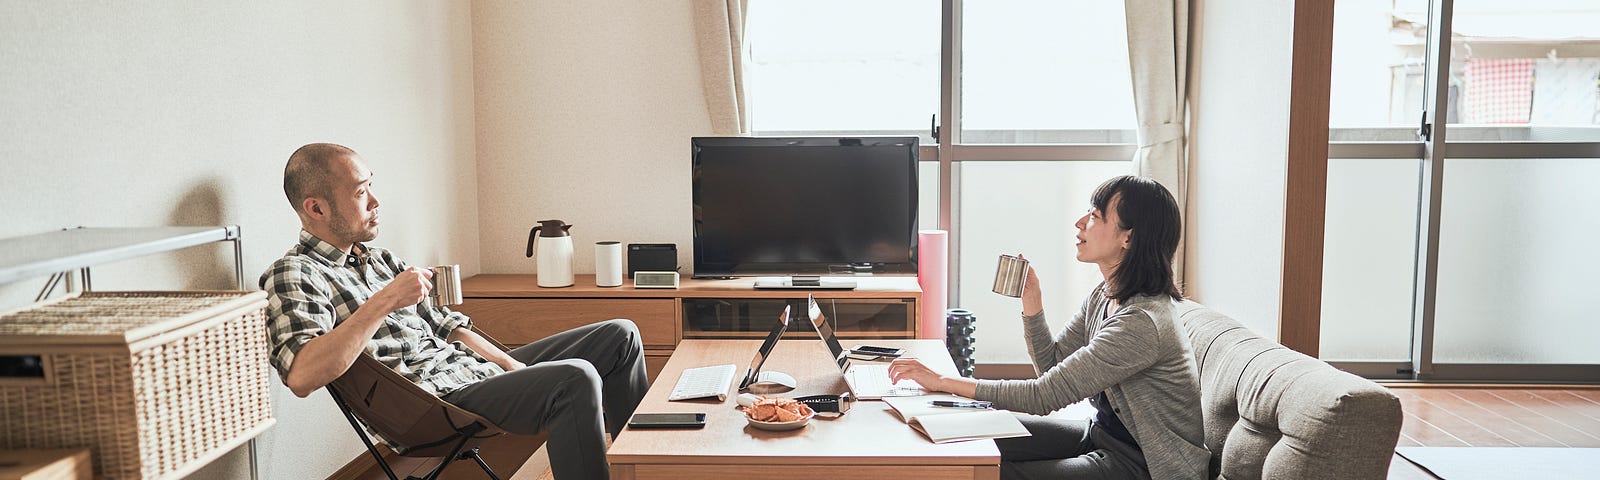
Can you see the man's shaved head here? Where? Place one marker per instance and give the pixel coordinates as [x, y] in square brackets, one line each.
[307, 174]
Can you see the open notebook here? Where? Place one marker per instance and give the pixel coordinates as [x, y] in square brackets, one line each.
[952, 424]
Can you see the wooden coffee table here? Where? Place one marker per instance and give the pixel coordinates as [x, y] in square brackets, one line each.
[868, 442]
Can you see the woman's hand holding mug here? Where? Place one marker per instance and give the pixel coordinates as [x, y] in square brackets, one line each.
[1032, 301]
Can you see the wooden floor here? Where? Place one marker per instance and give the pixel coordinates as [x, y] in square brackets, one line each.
[1439, 416]
[1435, 416]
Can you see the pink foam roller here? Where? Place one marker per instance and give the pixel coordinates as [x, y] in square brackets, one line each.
[933, 274]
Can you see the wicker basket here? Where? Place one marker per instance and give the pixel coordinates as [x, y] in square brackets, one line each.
[156, 384]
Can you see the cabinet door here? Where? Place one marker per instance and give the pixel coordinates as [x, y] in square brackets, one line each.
[654, 361]
[754, 317]
[519, 321]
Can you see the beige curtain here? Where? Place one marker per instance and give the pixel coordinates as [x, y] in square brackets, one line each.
[1158, 43]
[719, 34]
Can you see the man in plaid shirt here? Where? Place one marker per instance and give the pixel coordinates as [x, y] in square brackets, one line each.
[331, 297]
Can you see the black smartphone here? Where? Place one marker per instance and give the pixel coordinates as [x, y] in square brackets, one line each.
[667, 420]
[879, 351]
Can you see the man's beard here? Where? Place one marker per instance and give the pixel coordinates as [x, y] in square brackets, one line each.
[342, 227]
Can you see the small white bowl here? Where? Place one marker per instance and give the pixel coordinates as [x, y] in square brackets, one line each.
[780, 426]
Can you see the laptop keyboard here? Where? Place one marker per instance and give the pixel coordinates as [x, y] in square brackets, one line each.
[701, 382]
[872, 381]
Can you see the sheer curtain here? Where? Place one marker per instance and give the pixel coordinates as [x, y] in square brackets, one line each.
[719, 35]
[1158, 39]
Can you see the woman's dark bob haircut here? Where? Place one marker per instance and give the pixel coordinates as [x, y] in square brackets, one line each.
[1146, 208]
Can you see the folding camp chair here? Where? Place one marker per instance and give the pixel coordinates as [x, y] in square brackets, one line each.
[413, 421]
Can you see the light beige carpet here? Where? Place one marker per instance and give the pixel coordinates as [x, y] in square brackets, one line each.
[1473, 463]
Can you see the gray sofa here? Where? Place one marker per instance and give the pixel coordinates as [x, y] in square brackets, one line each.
[1271, 412]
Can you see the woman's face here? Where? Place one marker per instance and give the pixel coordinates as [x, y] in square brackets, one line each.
[1100, 240]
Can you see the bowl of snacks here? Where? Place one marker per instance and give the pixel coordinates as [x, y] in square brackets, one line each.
[777, 414]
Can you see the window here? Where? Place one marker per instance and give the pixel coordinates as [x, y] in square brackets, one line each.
[1519, 71]
[1377, 87]
[1524, 71]
[1508, 152]
[1037, 72]
[1047, 115]
[1516, 247]
[842, 66]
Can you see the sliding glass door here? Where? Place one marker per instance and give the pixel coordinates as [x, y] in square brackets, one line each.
[1464, 169]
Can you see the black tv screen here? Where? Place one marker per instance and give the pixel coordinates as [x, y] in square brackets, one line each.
[805, 206]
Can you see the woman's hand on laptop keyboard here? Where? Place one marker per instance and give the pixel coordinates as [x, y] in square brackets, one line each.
[913, 369]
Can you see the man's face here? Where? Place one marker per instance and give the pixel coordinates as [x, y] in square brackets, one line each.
[353, 209]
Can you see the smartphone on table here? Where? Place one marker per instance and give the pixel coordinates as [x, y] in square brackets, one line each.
[877, 351]
[667, 420]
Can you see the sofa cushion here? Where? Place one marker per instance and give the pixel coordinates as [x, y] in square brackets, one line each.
[1272, 412]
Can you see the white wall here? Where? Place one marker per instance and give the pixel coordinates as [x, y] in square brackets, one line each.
[1240, 100]
[585, 110]
[162, 113]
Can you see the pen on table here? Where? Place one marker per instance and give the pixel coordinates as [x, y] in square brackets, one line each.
[949, 403]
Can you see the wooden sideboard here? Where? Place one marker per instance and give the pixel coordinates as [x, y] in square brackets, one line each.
[516, 311]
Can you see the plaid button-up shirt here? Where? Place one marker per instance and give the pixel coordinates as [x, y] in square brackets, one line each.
[315, 287]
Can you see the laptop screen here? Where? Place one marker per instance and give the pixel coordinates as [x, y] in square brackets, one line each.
[766, 348]
[825, 330]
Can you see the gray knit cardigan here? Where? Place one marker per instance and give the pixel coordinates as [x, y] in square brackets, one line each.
[1139, 355]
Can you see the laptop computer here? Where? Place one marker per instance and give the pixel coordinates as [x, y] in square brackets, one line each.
[713, 381]
[866, 381]
[754, 374]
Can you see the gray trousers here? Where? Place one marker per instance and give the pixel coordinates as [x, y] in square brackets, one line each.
[569, 377]
[1068, 449]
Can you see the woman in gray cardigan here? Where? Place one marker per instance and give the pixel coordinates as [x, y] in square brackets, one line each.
[1124, 350]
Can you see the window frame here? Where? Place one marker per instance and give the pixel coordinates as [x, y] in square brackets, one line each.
[1432, 149]
[948, 149]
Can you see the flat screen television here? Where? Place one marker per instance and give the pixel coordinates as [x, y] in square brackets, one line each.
[805, 207]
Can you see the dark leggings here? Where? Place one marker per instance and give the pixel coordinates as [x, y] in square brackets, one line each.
[1068, 449]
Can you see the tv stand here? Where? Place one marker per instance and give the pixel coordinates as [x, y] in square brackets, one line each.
[515, 311]
[804, 282]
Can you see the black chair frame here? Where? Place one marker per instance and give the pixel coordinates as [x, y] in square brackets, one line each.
[465, 434]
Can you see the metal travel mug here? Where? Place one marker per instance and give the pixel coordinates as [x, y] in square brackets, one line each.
[1009, 276]
[446, 286]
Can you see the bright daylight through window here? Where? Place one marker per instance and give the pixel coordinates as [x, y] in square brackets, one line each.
[1035, 74]
[1523, 78]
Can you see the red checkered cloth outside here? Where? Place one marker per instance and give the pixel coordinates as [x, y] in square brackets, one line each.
[1498, 90]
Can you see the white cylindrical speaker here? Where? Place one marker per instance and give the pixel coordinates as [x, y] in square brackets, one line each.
[608, 264]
